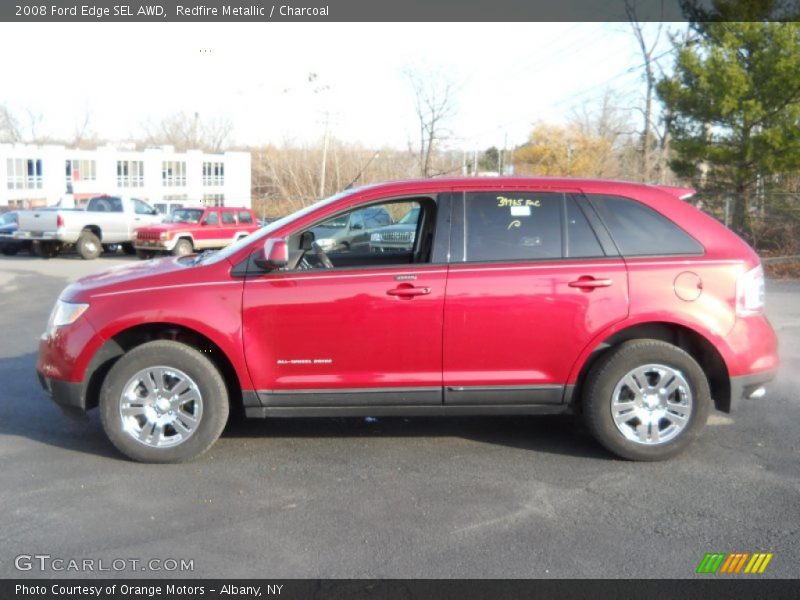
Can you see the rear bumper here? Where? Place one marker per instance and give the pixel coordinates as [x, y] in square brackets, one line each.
[749, 387]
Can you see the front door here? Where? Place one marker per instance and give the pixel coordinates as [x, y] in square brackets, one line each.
[365, 329]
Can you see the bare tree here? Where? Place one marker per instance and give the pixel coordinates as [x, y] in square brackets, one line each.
[82, 133]
[9, 126]
[188, 132]
[434, 95]
[647, 50]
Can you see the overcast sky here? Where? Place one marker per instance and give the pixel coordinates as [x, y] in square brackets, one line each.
[508, 75]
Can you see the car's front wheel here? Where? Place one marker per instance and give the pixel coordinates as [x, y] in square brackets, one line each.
[163, 402]
[646, 400]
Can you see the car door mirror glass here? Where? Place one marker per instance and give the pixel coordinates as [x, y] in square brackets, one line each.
[275, 254]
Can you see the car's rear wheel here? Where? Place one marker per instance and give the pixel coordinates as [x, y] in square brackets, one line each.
[163, 402]
[646, 400]
[10, 250]
[88, 246]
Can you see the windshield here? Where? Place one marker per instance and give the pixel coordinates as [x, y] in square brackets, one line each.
[264, 232]
[339, 222]
[411, 217]
[8, 218]
[186, 215]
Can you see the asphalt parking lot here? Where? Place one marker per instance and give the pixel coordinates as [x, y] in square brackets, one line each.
[469, 497]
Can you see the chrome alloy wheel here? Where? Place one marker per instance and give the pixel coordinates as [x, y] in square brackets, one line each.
[160, 407]
[651, 404]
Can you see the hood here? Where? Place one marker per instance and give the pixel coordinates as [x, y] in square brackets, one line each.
[328, 232]
[8, 228]
[397, 227]
[129, 277]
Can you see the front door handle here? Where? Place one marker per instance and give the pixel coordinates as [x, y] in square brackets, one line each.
[409, 291]
[589, 283]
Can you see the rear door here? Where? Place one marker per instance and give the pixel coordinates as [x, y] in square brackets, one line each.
[530, 284]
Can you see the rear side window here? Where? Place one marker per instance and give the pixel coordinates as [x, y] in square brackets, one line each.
[513, 226]
[245, 217]
[228, 218]
[212, 218]
[581, 239]
[105, 204]
[638, 230]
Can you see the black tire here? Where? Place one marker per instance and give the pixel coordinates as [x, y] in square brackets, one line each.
[174, 355]
[145, 254]
[88, 246]
[128, 249]
[610, 370]
[10, 250]
[46, 249]
[183, 247]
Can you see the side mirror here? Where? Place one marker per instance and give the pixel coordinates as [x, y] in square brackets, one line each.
[276, 254]
[356, 226]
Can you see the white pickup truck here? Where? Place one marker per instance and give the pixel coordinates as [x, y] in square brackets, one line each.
[107, 220]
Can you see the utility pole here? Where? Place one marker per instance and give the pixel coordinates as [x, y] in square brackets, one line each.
[324, 158]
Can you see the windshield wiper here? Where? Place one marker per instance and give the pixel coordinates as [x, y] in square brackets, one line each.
[200, 257]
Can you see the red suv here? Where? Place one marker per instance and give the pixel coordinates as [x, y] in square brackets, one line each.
[187, 230]
[614, 300]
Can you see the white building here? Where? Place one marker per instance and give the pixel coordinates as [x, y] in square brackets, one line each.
[32, 176]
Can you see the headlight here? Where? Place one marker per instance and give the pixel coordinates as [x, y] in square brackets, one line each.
[163, 235]
[375, 237]
[64, 313]
[326, 243]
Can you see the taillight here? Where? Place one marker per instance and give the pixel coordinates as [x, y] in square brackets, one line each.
[59, 221]
[750, 292]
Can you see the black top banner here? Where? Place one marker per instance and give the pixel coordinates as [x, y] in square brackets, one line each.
[337, 10]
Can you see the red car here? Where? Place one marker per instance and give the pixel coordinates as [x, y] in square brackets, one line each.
[188, 230]
[618, 301]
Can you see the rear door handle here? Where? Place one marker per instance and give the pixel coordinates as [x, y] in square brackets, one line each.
[589, 283]
[409, 291]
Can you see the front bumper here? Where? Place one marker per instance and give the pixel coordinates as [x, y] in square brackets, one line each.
[68, 395]
[156, 245]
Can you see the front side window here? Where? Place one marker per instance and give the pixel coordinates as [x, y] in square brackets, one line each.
[638, 230]
[212, 218]
[186, 215]
[141, 208]
[378, 235]
[512, 225]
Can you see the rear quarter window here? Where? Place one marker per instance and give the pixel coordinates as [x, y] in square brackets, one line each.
[638, 230]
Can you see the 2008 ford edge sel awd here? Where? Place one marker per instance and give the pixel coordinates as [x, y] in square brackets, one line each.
[617, 301]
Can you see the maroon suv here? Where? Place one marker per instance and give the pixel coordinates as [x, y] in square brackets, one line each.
[515, 296]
